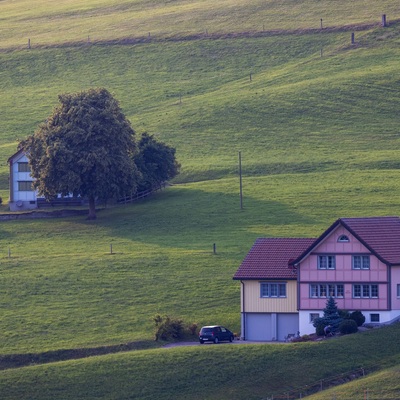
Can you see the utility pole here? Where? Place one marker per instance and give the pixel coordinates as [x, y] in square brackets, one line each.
[240, 180]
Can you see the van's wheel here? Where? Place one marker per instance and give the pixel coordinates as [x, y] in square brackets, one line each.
[201, 341]
[231, 339]
[216, 340]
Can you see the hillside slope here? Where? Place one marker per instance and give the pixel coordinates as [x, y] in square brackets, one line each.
[73, 21]
[226, 371]
[315, 119]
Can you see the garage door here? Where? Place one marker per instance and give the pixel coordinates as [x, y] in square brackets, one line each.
[258, 327]
[287, 324]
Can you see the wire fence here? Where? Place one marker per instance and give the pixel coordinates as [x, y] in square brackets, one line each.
[334, 381]
[140, 195]
[186, 35]
[363, 394]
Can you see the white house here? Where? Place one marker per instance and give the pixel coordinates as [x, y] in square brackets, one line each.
[22, 194]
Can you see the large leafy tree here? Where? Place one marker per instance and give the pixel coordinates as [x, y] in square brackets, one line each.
[156, 162]
[86, 147]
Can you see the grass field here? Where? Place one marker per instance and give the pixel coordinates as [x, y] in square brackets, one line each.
[315, 119]
[381, 385]
[243, 371]
[74, 21]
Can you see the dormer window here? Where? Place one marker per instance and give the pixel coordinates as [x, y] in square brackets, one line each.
[343, 239]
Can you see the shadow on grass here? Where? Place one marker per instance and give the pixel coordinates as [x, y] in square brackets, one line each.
[183, 216]
[23, 360]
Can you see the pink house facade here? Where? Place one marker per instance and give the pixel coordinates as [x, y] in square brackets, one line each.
[356, 261]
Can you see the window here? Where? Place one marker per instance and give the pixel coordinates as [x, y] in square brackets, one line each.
[398, 290]
[326, 262]
[313, 317]
[343, 239]
[365, 291]
[360, 262]
[23, 167]
[374, 317]
[273, 289]
[25, 186]
[326, 290]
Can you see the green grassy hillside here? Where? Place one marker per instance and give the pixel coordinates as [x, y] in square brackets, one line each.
[381, 385]
[316, 121]
[300, 111]
[243, 371]
[66, 21]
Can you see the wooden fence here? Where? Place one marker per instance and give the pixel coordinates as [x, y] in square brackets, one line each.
[140, 195]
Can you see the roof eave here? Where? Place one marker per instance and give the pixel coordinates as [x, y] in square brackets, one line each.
[305, 253]
[294, 278]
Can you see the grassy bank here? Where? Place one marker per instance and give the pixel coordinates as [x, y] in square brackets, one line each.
[203, 372]
[72, 21]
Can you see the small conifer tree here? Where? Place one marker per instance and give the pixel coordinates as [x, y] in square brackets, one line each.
[331, 317]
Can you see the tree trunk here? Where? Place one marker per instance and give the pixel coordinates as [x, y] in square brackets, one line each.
[92, 208]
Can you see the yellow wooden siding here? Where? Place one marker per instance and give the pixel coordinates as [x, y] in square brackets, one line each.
[254, 303]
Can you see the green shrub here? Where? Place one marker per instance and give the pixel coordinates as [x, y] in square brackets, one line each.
[193, 328]
[167, 328]
[319, 324]
[348, 326]
[358, 317]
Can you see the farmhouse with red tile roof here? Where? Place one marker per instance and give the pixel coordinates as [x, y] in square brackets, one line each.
[285, 282]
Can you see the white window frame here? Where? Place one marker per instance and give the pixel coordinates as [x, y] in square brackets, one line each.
[343, 239]
[25, 186]
[273, 290]
[324, 290]
[361, 262]
[374, 317]
[326, 262]
[365, 291]
[23, 166]
[313, 317]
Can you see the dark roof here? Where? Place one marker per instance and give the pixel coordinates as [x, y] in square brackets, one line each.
[269, 258]
[380, 235]
[15, 154]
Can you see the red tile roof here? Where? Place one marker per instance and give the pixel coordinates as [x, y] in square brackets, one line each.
[380, 234]
[269, 258]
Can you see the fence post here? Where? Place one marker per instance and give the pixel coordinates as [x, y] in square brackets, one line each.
[384, 24]
[352, 38]
[29, 43]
